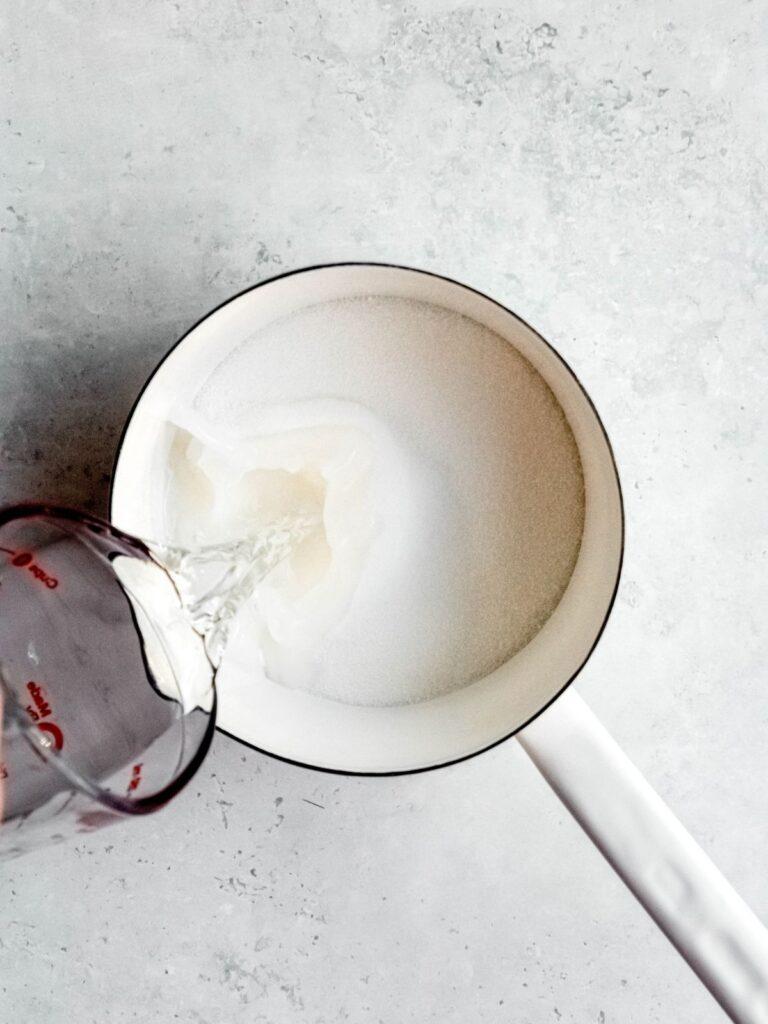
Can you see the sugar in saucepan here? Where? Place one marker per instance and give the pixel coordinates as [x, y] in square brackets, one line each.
[437, 469]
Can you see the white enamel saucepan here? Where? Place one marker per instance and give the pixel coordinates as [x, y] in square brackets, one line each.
[529, 696]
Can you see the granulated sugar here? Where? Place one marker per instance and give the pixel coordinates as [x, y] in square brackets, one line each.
[442, 470]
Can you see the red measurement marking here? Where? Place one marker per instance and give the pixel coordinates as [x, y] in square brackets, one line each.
[54, 732]
[135, 781]
[24, 560]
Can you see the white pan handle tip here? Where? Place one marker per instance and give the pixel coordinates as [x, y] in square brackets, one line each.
[701, 914]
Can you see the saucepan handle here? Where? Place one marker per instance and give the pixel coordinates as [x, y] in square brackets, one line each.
[671, 876]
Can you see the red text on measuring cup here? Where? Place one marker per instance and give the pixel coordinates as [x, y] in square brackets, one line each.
[24, 560]
[40, 709]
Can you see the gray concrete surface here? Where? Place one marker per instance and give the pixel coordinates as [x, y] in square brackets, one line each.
[601, 168]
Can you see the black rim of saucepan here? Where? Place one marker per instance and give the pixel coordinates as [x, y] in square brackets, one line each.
[499, 305]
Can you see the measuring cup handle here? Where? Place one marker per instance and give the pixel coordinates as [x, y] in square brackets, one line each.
[671, 876]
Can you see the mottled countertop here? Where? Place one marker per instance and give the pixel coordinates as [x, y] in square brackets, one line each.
[600, 168]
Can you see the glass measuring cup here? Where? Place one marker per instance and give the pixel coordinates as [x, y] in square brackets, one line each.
[107, 695]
